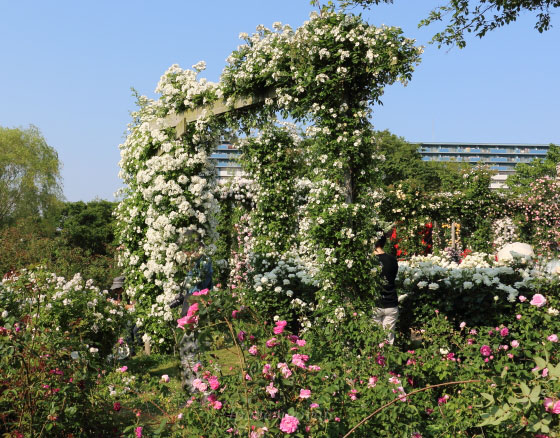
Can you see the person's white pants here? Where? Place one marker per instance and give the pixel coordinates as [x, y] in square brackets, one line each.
[387, 318]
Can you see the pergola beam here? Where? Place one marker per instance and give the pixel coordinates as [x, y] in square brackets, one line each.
[180, 121]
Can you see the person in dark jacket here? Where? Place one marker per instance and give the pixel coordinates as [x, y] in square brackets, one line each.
[386, 312]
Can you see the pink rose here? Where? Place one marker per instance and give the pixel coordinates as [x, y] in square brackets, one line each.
[271, 342]
[504, 332]
[545, 372]
[280, 326]
[553, 338]
[122, 369]
[522, 298]
[289, 424]
[253, 350]
[165, 378]
[304, 393]
[138, 432]
[372, 382]
[214, 382]
[313, 405]
[200, 292]
[552, 406]
[518, 316]
[270, 389]
[515, 343]
[485, 350]
[299, 360]
[538, 300]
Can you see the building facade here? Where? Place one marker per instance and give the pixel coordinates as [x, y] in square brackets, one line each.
[501, 157]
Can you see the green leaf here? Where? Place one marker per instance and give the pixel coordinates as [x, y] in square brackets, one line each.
[525, 389]
[535, 393]
[488, 397]
[541, 363]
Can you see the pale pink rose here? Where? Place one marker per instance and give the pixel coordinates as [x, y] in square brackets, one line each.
[556, 407]
[522, 298]
[538, 300]
[518, 316]
[284, 369]
[313, 405]
[463, 325]
[553, 338]
[301, 342]
[253, 350]
[270, 389]
[304, 393]
[122, 369]
[515, 343]
[299, 360]
[165, 378]
[545, 372]
[372, 382]
[289, 424]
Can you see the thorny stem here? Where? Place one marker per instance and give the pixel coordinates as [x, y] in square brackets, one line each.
[405, 396]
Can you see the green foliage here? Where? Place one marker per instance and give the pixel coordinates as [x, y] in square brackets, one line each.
[465, 16]
[29, 175]
[403, 163]
[27, 244]
[526, 173]
[89, 226]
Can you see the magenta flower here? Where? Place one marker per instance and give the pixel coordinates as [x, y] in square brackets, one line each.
[116, 406]
[538, 300]
[485, 350]
[122, 369]
[241, 335]
[504, 332]
[138, 432]
[289, 424]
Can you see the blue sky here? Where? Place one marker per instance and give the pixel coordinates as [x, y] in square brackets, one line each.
[67, 67]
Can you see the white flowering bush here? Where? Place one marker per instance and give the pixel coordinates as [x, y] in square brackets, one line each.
[461, 290]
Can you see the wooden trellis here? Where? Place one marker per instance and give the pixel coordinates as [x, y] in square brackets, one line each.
[180, 121]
